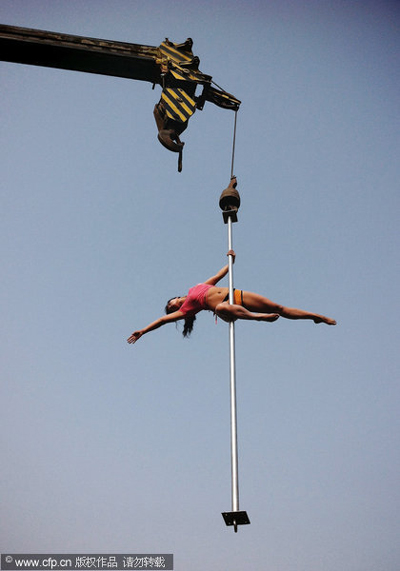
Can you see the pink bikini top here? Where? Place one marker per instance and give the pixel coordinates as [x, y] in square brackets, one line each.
[195, 300]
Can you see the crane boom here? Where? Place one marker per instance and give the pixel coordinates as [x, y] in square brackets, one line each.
[170, 65]
[65, 51]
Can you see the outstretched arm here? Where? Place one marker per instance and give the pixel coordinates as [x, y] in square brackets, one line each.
[222, 272]
[170, 318]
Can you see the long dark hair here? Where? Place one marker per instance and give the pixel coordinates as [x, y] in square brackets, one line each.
[189, 320]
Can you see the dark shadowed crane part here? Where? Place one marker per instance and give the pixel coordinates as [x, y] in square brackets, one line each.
[170, 65]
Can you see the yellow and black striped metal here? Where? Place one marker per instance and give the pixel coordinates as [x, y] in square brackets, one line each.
[179, 53]
[178, 105]
[181, 62]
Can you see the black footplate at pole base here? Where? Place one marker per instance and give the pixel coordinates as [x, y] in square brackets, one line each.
[236, 518]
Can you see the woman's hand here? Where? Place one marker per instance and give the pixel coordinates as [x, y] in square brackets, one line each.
[232, 253]
[134, 337]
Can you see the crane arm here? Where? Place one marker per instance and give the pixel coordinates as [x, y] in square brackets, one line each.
[65, 51]
[170, 65]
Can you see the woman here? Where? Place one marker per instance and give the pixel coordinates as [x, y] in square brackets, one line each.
[207, 295]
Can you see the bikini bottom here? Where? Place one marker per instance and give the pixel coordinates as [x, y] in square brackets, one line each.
[237, 297]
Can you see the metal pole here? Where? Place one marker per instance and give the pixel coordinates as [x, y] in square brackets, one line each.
[234, 454]
[229, 203]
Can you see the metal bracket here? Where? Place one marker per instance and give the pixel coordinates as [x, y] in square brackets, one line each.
[232, 214]
[236, 518]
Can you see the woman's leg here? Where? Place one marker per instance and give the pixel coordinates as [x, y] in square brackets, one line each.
[259, 303]
[229, 312]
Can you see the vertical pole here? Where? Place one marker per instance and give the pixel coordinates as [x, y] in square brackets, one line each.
[229, 203]
[234, 454]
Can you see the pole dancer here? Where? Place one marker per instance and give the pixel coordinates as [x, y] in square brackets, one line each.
[209, 296]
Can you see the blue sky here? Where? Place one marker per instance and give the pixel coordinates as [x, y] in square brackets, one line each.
[112, 448]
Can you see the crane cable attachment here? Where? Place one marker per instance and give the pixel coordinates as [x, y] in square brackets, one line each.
[229, 201]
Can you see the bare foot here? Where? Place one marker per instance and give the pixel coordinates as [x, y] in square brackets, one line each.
[323, 319]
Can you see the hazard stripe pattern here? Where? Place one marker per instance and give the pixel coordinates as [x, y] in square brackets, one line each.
[178, 105]
[179, 57]
[174, 54]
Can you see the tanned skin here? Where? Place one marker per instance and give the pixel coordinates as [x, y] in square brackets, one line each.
[257, 307]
